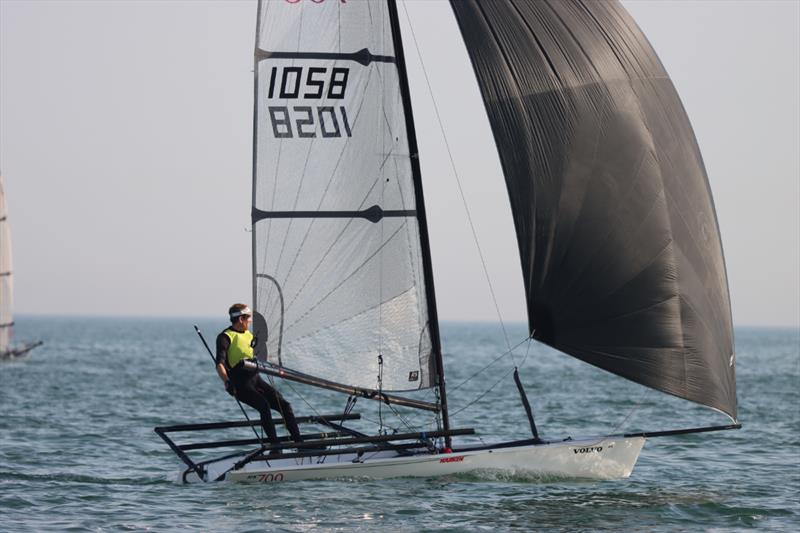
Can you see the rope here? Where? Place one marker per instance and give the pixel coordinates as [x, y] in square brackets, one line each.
[347, 409]
[458, 182]
[380, 392]
[504, 376]
[635, 408]
[402, 419]
[507, 352]
[527, 352]
[487, 391]
[350, 404]
[260, 438]
[214, 359]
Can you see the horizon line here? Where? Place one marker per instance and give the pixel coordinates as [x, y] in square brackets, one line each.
[223, 317]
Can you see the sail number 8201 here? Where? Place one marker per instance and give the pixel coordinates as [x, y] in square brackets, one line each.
[308, 83]
[305, 119]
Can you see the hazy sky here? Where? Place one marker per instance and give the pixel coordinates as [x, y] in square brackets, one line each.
[125, 143]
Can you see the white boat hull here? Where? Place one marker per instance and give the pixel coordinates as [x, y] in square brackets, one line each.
[594, 458]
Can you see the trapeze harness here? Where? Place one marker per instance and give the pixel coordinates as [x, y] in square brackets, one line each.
[241, 347]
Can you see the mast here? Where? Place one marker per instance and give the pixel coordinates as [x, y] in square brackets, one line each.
[420, 205]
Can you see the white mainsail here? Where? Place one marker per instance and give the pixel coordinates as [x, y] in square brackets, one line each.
[6, 280]
[339, 284]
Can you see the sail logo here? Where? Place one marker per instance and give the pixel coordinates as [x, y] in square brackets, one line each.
[456, 459]
[267, 478]
[588, 449]
[308, 83]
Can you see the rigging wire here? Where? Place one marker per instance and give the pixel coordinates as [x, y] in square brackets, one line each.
[380, 422]
[208, 349]
[633, 410]
[484, 393]
[380, 392]
[458, 182]
[402, 419]
[348, 408]
[622, 422]
[527, 351]
[504, 376]
[351, 402]
[493, 361]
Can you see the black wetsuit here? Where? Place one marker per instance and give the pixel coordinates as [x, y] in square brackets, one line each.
[255, 392]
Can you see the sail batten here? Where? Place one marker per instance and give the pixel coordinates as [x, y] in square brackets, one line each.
[363, 56]
[373, 214]
[618, 237]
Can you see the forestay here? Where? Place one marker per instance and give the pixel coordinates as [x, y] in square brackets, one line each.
[618, 237]
[339, 283]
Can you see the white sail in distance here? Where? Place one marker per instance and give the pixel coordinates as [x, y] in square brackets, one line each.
[6, 280]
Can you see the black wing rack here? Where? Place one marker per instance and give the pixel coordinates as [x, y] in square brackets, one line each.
[340, 440]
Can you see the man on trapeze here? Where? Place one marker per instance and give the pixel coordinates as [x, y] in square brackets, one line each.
[234, 346]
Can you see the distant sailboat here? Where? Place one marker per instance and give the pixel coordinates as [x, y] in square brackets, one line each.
[7, 351]
[617, 234]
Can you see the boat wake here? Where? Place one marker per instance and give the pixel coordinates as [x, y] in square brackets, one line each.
[514, 475]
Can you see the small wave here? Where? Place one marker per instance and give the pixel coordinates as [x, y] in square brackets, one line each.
[80, 478]
[708, 510]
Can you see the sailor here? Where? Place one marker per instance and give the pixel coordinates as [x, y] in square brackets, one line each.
[234, 346]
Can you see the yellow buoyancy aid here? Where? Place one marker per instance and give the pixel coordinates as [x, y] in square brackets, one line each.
[241, 346]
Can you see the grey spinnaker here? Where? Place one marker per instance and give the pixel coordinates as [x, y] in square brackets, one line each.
[618, 237]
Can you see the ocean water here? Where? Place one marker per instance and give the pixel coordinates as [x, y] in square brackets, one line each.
[78, 451]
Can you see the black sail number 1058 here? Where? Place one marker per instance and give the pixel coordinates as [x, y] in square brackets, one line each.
[308, 83]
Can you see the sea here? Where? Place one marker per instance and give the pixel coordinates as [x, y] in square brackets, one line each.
[78, 451]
